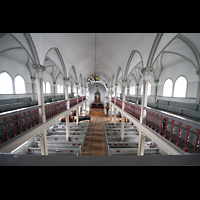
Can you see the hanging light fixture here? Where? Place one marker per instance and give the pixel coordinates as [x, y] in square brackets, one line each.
[95, 76]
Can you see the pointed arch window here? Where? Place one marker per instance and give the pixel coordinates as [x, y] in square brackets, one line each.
[167, 88]
[48, 87]
[133, 90]
[19, 85]
[6, 83]
[58, 88]
[61, 88]
[180, 87]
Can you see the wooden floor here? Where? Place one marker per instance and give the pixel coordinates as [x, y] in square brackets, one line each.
[95, 141]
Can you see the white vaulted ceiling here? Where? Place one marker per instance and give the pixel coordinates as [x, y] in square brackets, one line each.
[129, 51]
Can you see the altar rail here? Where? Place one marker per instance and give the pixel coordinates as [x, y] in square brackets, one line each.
[175, 128]
[16, 122]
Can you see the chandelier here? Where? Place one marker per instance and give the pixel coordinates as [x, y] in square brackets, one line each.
[95, 76]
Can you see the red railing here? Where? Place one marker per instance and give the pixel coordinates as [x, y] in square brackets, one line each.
[133, 109]
[13, 123]
[181, 131]
[52, 109]
[80, 99]
[119, 103]
[72, 102]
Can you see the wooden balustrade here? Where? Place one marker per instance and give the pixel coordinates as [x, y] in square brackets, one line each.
[13, 123]
[179, 130]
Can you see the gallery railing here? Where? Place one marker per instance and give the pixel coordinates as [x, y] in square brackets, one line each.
[181, 131]
[16, 122]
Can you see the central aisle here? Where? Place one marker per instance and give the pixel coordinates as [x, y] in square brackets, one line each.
[95, 140]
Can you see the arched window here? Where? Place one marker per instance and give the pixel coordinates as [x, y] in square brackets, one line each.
[133, 90]
[48, 87]
[149, 89]
[19, 85]
[167, 88]
[61, 88]
[142, 90]
[180, 87]
[58, 88]
[6, 84]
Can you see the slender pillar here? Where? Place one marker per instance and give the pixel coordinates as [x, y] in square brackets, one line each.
[123, 92]
[67, 127]
[33, 87]
[66, 84]
[137, 89]
[54, 89]
[122, 128]
[116, 92]
[115, 117]
[128, 90]
[77, 92]
[77, 115]
[115, 110]
[156, 90]
[85, 101]
[141, 144]
[198, 90]
[146, 76]
[39, 77]
[43, 143]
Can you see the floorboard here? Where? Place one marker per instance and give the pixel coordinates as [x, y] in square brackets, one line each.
[95, 141]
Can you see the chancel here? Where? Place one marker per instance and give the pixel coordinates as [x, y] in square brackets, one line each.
[97, 100]
[55, 88]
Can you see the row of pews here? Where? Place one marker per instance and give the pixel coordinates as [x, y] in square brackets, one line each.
[56, 140]
[128, 146]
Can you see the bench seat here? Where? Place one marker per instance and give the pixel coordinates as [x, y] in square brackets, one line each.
[131, 151]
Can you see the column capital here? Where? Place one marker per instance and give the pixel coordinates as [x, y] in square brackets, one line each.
[156, 82]
[39, 70]
[124, 82]
[66, 80]
[33, 79]
[146, 72]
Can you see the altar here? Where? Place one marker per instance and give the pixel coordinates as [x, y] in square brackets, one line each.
[97, 100]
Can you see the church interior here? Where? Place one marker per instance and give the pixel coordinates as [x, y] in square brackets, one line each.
[99, 99]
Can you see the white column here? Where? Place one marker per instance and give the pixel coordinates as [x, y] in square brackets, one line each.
[85, 100]
[77, 115]
[122, 127]
[54, 89]
[141, 144]
[116, 92]
[39, 77]
[33, 87]
[156, 90]
[115, 110]
[137, 89]
[66, 91]
[146, 76]
[77, 91]
[43, 143]
[198, 90]
[67, 127]
[128, 90]
[110, 103]
[144, 100]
